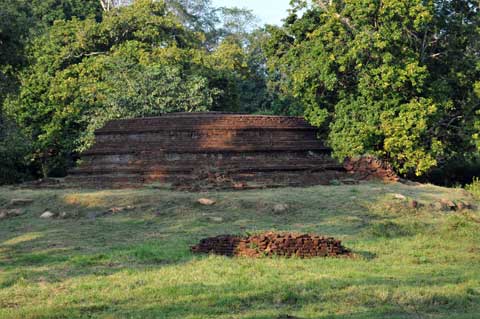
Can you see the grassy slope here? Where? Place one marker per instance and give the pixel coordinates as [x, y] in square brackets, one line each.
[136, 264]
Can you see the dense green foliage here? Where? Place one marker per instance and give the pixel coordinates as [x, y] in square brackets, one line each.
[13, 29]
[390, 78]
[21, 21]
[14, 149]
[46, 12]
[139, 60]
[476, 135]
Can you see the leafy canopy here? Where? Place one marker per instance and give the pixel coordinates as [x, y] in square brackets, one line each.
[145, 59]
[390, 78]
[138, 61]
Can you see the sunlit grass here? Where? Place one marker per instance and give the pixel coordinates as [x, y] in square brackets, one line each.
[136, 264]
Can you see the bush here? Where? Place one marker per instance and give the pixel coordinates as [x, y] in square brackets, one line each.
[14, 148]
[474, 187]
[459, 171]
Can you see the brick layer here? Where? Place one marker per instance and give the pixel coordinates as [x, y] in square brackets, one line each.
[185, 148]
[272, 244]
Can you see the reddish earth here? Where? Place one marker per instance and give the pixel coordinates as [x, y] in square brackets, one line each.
[272, 244]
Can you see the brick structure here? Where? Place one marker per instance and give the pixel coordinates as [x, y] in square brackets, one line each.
[197, 150]
[370, 168]
[272, 244]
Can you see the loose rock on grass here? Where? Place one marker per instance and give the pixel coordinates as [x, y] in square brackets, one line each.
[206, 202]
[47, 215]
[20, 202]
[9, 213]
[463, 205]
[414, 204]
[280, 208]
[400, 196]
[447, 205]
[115, 210]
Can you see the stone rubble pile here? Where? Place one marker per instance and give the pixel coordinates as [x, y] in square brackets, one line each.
[370, 168]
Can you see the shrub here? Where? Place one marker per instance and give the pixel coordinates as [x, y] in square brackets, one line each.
[458, 171]
[474, 187]
[14, 148]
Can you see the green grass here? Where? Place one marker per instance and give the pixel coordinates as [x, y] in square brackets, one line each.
[136, 263]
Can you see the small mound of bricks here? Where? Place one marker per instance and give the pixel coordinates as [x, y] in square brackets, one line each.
[370, 168]
[272, 244]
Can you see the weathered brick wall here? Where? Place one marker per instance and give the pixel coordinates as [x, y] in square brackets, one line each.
[200, 132]
[202, 149]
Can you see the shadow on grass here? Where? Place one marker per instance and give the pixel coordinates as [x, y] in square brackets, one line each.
[366, 255]
[64, 249]
[286, 300]
[77, 247]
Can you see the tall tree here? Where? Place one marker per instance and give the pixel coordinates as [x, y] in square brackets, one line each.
[138, 61]
[22, 20]
[215, 23]
[14, 30]
[45, 12]
[384, 77]
[14, 26]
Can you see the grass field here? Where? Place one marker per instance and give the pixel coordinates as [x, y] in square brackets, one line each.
[410, 263]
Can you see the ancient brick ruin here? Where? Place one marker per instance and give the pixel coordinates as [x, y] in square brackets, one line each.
[195, 151]
[272, 244]
[207, 148]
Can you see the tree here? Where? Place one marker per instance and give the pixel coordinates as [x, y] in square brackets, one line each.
[20, 22]
[13, 31]
[45, 12]
[138, 60]
[108, 5]
[215, 23]
[196, 15]
[390, 78]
